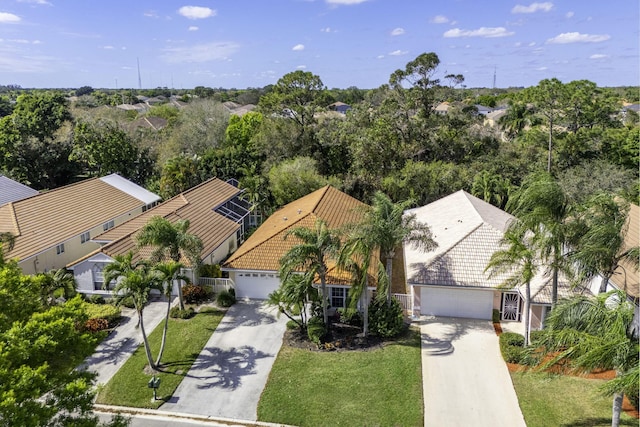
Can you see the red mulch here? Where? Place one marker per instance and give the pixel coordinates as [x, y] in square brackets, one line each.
[559, 369]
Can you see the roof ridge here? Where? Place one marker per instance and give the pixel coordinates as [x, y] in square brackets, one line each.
[324, 191]
[42, 193]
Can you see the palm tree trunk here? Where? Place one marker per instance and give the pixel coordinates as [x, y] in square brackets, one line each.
[325, 310]
[389, 275]
[365, 314]
[147, 349]
[604, 283]
[527, 313]
[554, 287]
[164, 331]
[550, 144]
[617, 409]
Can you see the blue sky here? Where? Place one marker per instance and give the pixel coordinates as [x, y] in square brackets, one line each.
[252, 43]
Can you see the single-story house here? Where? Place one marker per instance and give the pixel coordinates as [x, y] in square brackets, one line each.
[451, 280]
[254, 266]
[216, 214]
[339, 107]
[54, 228]
[12, 191]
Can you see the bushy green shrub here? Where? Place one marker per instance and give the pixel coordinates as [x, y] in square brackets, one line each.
[208, 310]
[195, 294]
[385, 320]
[316, 330]
[495, 316]
[232, 291]
[111, 314]
[176, 313]
[96, 299]
[225, 299]
[535, 337]
[350, 316]
[292, 324]
[210, 270]
[511, 347]
[128, 302]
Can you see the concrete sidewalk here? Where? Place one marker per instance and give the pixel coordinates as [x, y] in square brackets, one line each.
[111, 353]
[465, 381]
[228, 377]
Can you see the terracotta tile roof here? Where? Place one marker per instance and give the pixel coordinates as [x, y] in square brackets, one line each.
[626, 277]
[47, 219]
[197, 205]
[264, 248]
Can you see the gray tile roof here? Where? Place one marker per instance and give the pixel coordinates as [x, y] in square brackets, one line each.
[11, 191]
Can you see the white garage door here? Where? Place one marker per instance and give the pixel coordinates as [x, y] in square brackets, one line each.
[469, 303]
[255, 285]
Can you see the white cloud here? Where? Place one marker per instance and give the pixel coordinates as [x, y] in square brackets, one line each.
[576, 37]
[518, 44]
[200, 53]
[196, 12]
[569, 14]
[398, 52]
[301, 67]
[488, 32]
[541, 68]
[327, 30]
[397, 31]
[345, 2]
[35, 2]
[298, 47]
[108, 47]
[439, 19]
[150, 14]
[380, 56]
[599, 56]
[533, 8]
[6, 17]
[532, 44]
[193, 28]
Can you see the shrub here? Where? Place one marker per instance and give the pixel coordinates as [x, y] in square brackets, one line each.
[96, 325]
[535, 337]
[208, 310]
[495, 316]
[128, 302]
[210, 270]
[350, 316]
[176, 313]
[316, 330]
[111, 314]
[512, 347]
[292, 324]
[225, 299]
[386, 320]
[232, 291]
[194, 294]
[96, 299]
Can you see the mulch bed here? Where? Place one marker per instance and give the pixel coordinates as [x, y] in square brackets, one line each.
[342, 337]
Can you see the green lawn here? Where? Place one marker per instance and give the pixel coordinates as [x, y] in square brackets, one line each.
[185, 340]
[559, 400]
[381, 387]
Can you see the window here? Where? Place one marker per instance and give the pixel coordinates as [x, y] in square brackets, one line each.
[107, 225]
[85, 237]
[98, 277]
[60, 249]
[338, 297]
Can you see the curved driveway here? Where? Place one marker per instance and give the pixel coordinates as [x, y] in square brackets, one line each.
[228, 377]
[465, 380]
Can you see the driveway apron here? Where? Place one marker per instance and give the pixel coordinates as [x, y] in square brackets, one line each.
[465, 381]
[228, 377]
[111, 353]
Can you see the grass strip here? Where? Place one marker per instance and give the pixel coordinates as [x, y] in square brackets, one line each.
[185, 341]
[381, 387]
[560, 400]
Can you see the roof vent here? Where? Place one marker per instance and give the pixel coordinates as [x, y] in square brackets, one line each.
[299, 211]
[285, 218]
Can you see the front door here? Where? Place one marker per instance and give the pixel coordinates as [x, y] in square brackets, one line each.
[510, 306]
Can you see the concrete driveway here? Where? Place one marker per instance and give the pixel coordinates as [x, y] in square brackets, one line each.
[228, 377]
[465, 380]
[111, 353]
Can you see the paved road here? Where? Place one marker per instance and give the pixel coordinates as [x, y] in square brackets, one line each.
[228, 377]
[465, 380]
[111, 354]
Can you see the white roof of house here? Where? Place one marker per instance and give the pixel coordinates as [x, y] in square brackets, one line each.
[11, 191]
[468, 231]
[130, 188]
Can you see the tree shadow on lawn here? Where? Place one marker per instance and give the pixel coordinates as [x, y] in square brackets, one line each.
[225, 368]
[593, 422]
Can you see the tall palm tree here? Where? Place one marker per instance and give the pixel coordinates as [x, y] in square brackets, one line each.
[317, 246]
[542, 207]
[293, 295]
[137, 284]
[600, 248]
[167, 274]
[517, 260]
[171, 240]
[385, 226]
[593, 332]
[121, 265]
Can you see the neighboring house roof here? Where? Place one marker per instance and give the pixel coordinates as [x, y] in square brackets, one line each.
[496, 115]
[626, 276]
[47, 219]
[443, 107]
[264, 248]
[11, 191]
[198, 205]
[468, 231]
[155, 123]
